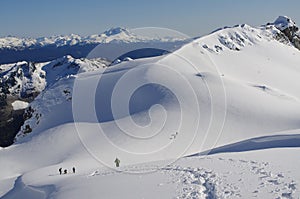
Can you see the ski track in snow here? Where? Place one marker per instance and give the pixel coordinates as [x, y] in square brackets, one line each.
[192, 182]
[201, 182]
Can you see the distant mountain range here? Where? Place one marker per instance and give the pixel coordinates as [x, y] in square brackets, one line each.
[113, 35]
[14, 49]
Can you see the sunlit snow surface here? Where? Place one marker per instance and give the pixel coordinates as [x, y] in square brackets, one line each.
[244, 83]
[17, 105]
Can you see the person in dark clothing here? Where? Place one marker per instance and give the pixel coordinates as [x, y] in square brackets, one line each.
[73, 169]
[117, 161]
[60, 171]
[65, 171]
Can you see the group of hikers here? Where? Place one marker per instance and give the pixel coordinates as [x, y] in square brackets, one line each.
[65, 170]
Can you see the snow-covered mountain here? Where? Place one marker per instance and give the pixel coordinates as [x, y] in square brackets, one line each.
[22, 77]
[21, 82]
[14, 49]
[116, 35]
[234, 91]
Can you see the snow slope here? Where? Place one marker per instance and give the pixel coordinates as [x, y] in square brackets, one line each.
[234, 91]
[231, 175]
[21, 82]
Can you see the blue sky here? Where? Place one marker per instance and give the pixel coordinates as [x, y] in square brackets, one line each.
[34, 18]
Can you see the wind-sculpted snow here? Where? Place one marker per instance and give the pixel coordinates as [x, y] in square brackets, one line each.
[193, 96]
[203, 121]
[278, 140]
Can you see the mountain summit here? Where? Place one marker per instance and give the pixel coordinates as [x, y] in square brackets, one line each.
[116, 30]
[284, 22]
[289, 28]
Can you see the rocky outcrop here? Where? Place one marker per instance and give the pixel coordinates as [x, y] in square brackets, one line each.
[16, 83]
[24, 81]
[288, 27]
[296, 42]
[10, 120]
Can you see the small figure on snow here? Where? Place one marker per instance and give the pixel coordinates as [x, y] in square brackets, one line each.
[60, 171]
[117, 161]
[73, 169]
[173, 136]
[65, 171]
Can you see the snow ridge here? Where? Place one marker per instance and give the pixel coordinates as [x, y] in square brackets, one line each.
[25, 78]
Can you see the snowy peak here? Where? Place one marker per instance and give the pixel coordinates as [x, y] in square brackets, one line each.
[283, 22]
[115, 31]
[118, 35]
[288, 27]
[23, 78]
[12, 42]
[58, 41]
[235, 38]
